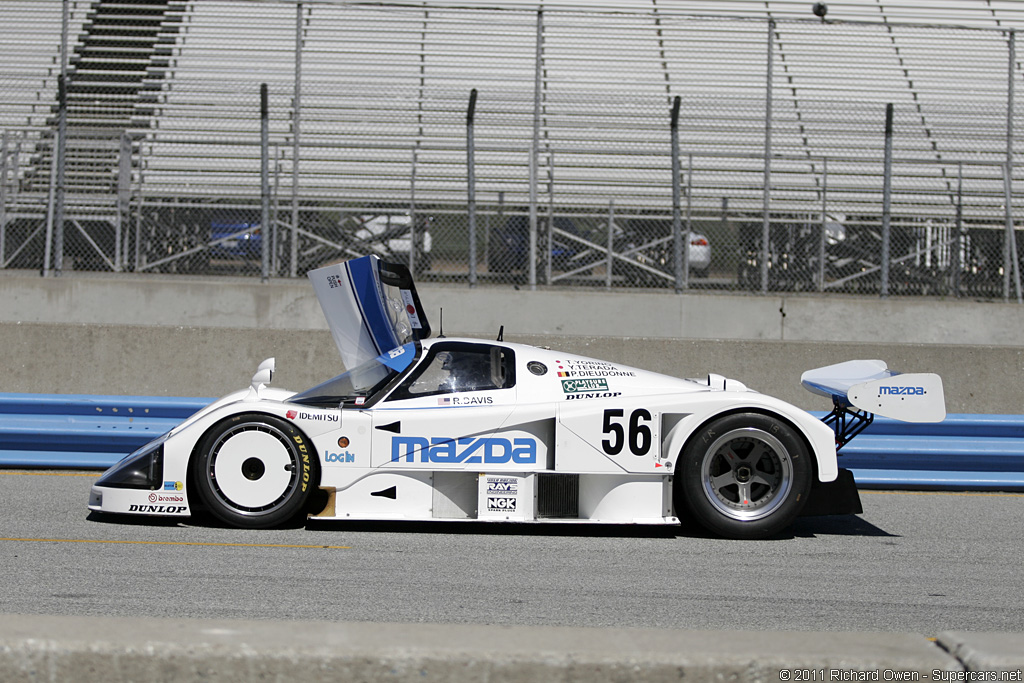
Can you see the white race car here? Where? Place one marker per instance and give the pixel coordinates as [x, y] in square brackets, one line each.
[468, 429]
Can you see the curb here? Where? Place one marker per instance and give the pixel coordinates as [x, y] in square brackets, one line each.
[54, 648]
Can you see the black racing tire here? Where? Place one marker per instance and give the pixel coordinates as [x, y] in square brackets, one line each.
[254, 471]
[744, 476]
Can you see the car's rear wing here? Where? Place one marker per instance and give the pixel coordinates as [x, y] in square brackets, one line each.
[861, 389]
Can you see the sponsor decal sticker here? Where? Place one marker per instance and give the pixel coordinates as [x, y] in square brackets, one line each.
[300, 443]
[573, 386]
[173, 486]
[502, 485]
[606, 394]
[410, 309]
[339, 457]
[500, 504]
[901, 391]
[168, 509]
[466, 450]
[313, 417]
[164, 498]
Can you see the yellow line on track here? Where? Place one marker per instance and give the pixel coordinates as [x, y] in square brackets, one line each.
[217, 545]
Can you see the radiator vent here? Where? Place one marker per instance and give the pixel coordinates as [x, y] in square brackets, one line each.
[558, 496]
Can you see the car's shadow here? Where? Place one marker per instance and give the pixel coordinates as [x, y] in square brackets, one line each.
[136, 520]
[835, 525]
[200, 520]
[804, 527]
[475, 527]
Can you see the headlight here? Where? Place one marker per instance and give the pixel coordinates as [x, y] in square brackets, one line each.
[143, 469]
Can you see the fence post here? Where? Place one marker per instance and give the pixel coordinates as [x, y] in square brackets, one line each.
[264, 184]
[124, 198]
[680, 256]
[413, 235]
[471, 186]
[886, 200]
[1011, 263]
[62, 130]
[51, 194]
[550, 227]
[611, 232]
[766, 225]
[959, 243]
[293, 245]
[277, 158]
[534, 149]
[499, 219]
[139, 203]
[824, 224]
[689, 216]
[65, 22]
[3, 200]
[51, 198]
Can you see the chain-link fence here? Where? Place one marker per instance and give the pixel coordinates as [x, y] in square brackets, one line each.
[634, 148]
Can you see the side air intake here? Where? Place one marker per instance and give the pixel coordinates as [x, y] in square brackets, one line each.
[558, 496]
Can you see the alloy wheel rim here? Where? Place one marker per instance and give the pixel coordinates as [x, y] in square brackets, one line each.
[747, 474]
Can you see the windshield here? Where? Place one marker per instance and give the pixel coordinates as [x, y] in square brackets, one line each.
[360, 383]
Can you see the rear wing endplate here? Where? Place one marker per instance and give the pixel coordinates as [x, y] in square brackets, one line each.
[861, 389]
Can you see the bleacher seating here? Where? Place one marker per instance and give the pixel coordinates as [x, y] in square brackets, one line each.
[384, 87]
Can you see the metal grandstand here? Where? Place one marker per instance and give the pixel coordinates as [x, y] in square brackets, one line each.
[168, 164]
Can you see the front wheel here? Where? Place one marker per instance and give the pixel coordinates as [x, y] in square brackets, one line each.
[254, 471]
[745, 476]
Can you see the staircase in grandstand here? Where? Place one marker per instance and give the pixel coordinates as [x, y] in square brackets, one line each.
[115, 68]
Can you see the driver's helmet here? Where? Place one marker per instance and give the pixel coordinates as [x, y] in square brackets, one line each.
[469, 371]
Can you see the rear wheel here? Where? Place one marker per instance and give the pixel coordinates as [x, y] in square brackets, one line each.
[746, 475]
[254, 470]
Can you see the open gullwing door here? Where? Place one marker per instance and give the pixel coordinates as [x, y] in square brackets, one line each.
[371, 307]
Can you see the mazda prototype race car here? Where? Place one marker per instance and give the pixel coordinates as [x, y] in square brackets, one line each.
[468, 429]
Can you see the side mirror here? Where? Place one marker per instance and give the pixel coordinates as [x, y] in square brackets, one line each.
[264, 373]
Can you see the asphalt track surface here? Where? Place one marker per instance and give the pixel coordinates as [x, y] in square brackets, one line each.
[921, 562]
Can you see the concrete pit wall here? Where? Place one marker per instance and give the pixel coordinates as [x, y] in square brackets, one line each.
[211, 362]
[164, 336]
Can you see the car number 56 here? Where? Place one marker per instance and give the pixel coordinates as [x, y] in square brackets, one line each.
[638, 435]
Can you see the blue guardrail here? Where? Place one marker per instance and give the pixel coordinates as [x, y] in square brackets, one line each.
[965, 451]
[82, 431]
